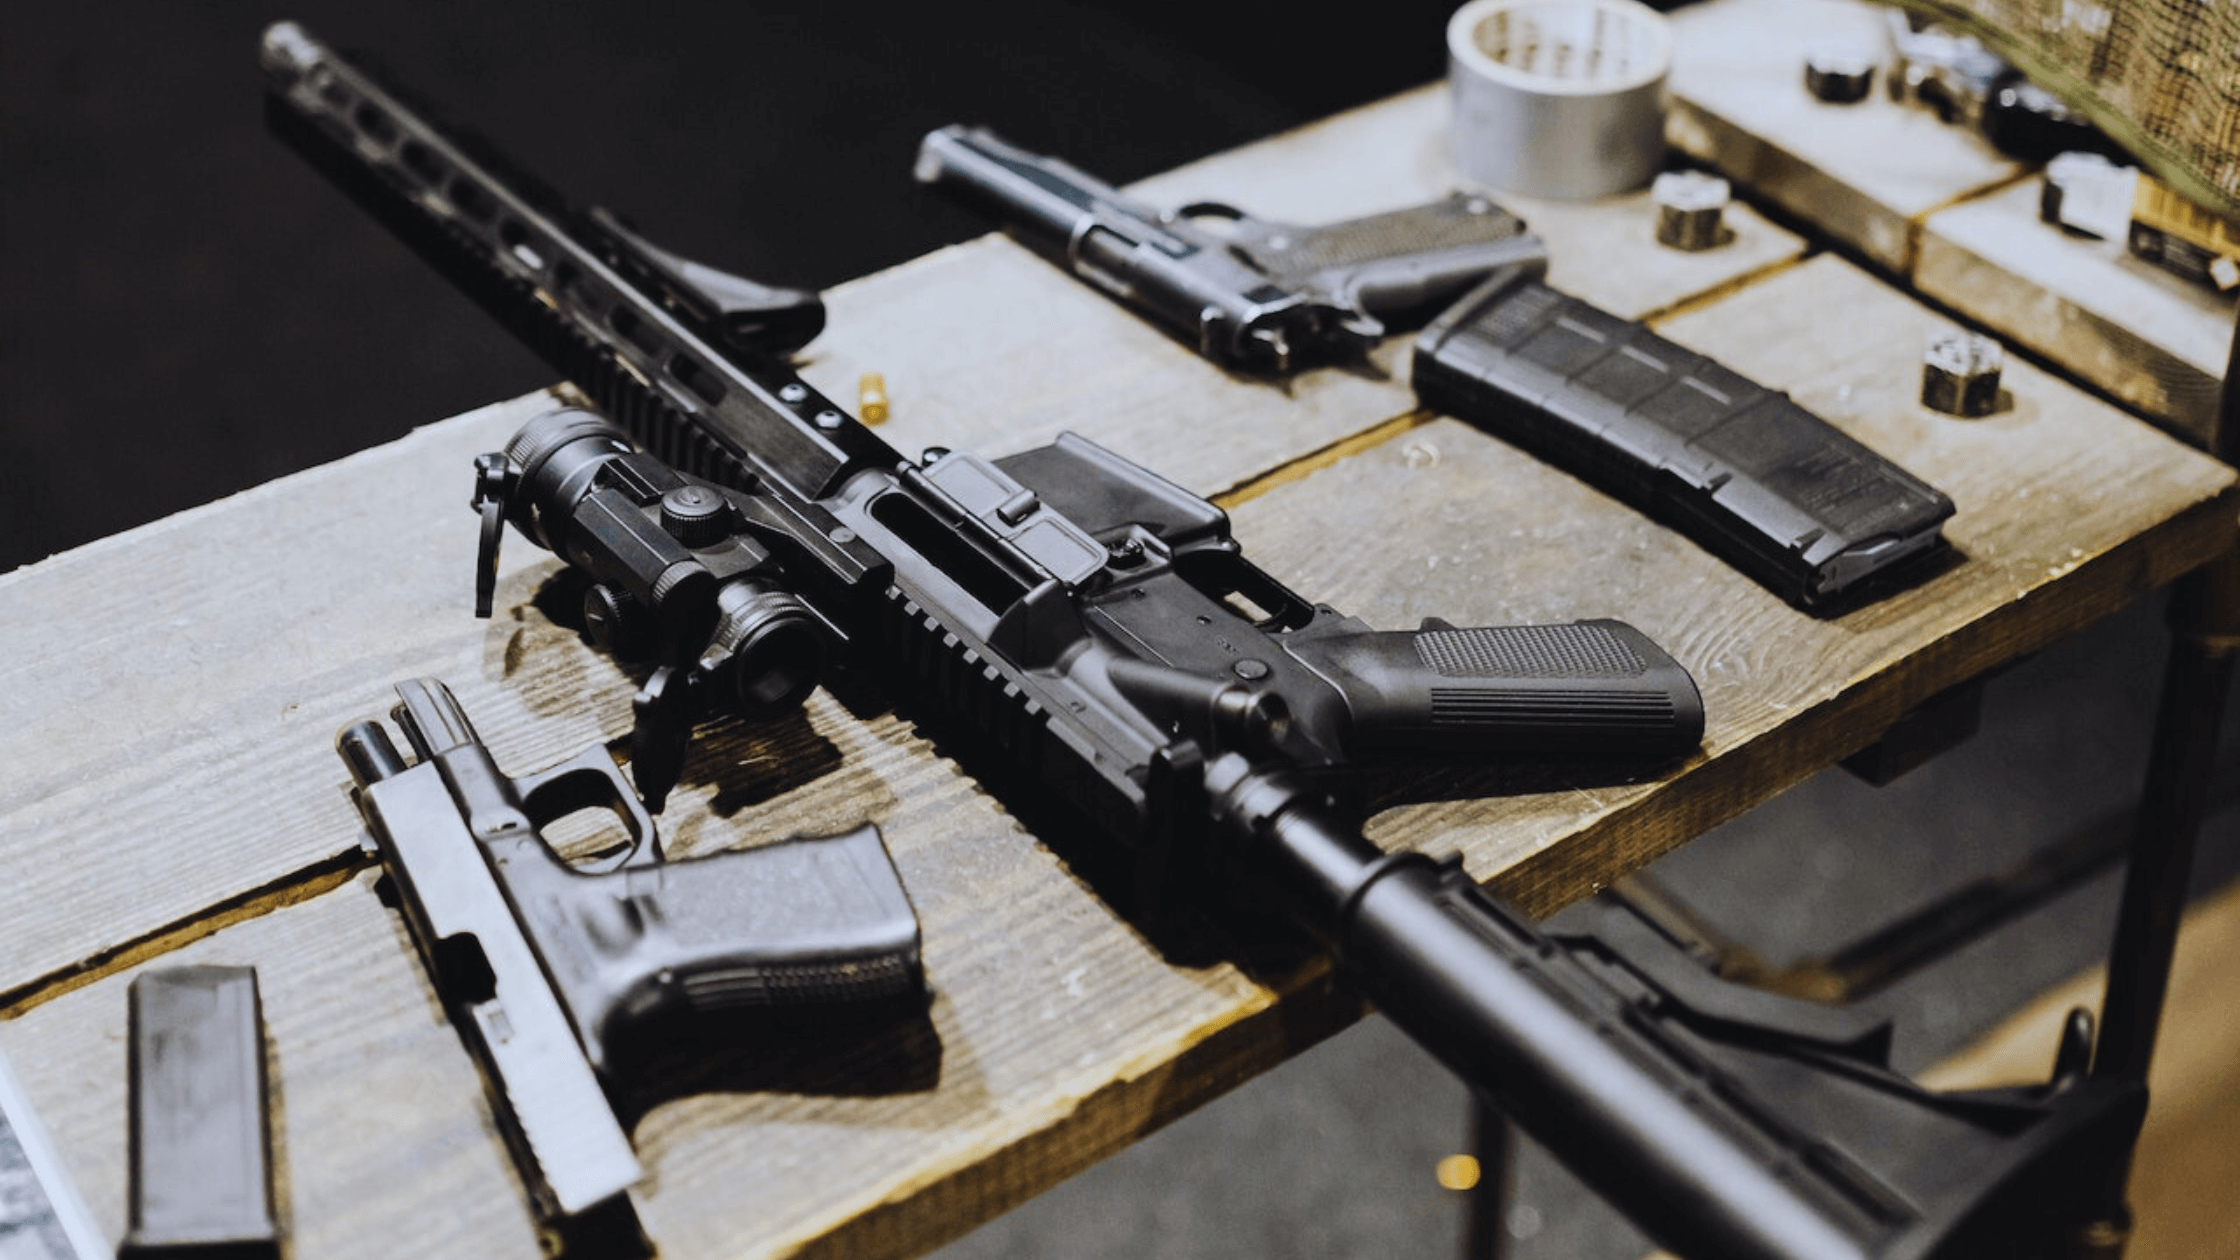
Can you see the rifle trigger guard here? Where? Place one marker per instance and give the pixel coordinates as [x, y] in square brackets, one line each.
[591, 780]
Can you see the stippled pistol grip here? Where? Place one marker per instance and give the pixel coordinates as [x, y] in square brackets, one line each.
[1598, 687]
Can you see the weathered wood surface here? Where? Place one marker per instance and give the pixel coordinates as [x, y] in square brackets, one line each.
[1057, 1036]
[2149, 338]
[188, 677]
[987, 347]
[1061, 1033]
[172, 694]
[1936, 204]
[1785, 694]
[1866, 172]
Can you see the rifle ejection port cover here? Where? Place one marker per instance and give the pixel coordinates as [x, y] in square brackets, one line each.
[1017, 516]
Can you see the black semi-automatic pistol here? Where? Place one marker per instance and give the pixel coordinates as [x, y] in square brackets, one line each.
[1250, 294]
[547, 968]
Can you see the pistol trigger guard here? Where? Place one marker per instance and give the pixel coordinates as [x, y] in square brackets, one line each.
[1244, 238]
[591, 780]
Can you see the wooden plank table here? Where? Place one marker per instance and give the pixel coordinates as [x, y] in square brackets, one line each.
[1865, 173]
[1937, 207]
[2152, 340]
[1938, 210]
[172, 693]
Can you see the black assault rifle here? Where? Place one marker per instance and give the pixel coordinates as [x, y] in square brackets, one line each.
[1097, 629]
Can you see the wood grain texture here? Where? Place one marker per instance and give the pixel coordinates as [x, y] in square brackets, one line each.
[280, 612]
[2048, 536]
[2147, 337]
[1866, 173]
[371, 1091]
[1056, 1036]
[1059, 1033]
[986, 347]
[171, 697]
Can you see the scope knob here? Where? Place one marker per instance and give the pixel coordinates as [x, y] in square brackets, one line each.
[617, 624]
[695, 515]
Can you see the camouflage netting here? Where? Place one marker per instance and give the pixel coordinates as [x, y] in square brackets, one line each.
[2161, 77]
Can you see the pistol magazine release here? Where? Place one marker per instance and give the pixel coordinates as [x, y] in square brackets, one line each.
[1249, 294]
[546, 968]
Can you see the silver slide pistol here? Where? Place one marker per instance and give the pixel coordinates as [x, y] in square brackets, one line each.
[1249, 294]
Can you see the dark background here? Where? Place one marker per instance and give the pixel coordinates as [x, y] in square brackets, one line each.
[190, 310]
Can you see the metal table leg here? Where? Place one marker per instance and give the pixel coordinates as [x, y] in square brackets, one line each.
[1485, 1217]
[2205, 636]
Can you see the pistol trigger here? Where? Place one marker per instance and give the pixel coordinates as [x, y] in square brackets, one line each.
[1363, 325]
[663, 728]
[1276, 346]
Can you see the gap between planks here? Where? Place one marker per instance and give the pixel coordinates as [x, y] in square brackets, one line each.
[294, 888]
[319, 878]
[1304, 466]
[1314, 461]
[1728, 288]
[1918, 225]
[324, 876]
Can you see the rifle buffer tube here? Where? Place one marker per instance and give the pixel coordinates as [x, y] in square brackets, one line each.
[1463, 974]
